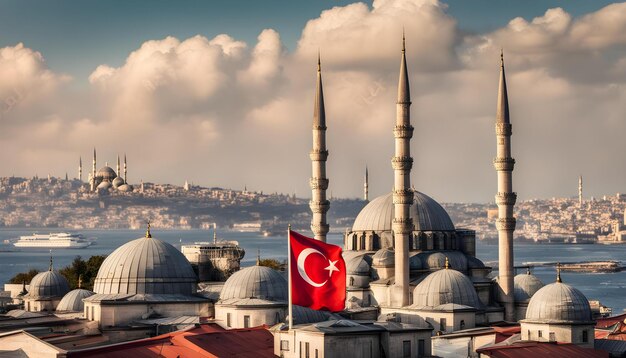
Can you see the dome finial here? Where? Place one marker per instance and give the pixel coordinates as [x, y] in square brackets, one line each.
[215, 233]
[80, 281]
[50, 267]
[148, 234]
[447, 264]
[258, 257]
[558, 272]
[528, 270]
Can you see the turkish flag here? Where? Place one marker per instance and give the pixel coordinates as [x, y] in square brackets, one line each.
[318, 274]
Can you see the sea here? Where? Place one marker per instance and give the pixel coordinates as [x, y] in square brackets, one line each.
[609, 288]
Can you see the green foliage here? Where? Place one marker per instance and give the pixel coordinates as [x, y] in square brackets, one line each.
[87, 269]
[24, 277]
[273, 264]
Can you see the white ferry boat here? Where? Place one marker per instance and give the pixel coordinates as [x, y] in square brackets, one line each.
[53, 240]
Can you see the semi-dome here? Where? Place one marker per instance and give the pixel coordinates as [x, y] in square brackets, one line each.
[48, 284]
[106, 173]
[427, 215]
[125, 188]
[104, 185]
[118, 182]
[558, 303]
[358, 266]
[525, 286]
[384, 257]
[73, 300]
[445, 286]
[415, 262]
[255, 282]
[146, 266]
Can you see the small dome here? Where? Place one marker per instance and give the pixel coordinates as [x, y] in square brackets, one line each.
[48, 284]
[146, 265]
[125, 188]
[558, 303]
[384, 258]
[104, 185]
[437, 260]
[358, 266]
[426, 213]
[106, 173]
[256, 282]
[525, 286]
[73, 300]
[118, 182]
[474, 263]
[445, 286]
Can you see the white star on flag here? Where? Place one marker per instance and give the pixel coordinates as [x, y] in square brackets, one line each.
[331, 267]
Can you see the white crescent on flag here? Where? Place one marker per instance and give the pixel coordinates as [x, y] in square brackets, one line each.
[301, 258]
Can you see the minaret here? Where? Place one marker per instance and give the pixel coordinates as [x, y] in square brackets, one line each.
[319, 183]
[505, 198]
[80, 169]
[402, 193]
[580, 191]
[125, 169]
[214, 233]
[93, 171]
[366, 191]
[117, 169]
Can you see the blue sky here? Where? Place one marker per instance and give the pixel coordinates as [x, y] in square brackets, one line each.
[77, 35]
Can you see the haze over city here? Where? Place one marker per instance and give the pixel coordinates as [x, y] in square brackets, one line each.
[195, 92]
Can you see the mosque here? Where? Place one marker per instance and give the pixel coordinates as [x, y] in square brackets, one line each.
[412, 276]
[106, 178]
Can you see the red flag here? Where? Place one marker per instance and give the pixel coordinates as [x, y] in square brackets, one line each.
[318, 274]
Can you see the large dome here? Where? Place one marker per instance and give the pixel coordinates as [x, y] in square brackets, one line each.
[106, 173]
[427, 215]
[48, 284]
[558, 303]
[255, 282]
[73, 300]
[445, 286]
[525, 286]
[146, 265]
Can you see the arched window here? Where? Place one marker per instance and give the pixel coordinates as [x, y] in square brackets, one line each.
[352, 281]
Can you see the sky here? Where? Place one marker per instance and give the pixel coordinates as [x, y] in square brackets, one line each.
[221, 94]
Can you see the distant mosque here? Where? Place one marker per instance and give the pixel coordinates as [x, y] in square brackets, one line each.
[106, 178]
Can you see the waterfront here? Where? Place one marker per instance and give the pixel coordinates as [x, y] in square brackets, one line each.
[609, 288]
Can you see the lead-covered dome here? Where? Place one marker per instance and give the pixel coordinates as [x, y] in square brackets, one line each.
[255, 282]
[525, 286]
[146, 266]
[48, 284]
[384, 258]
[106, 173]
[558, 303]
[445, 286]
[426, 213]
[117, 182]
[73, 300]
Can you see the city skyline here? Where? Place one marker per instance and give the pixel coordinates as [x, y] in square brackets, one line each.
[220, 110]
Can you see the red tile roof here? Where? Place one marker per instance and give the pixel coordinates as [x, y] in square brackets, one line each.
[208, 340]
[541, 349]
[609, 321]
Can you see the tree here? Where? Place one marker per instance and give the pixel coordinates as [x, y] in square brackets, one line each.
[273, 264]
[24, 277]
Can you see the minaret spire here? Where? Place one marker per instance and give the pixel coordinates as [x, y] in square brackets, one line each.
[366, 189]
[580, 191]
[402, 193]
[319, 183]
[80, 169]
[125, 169]
[215, 233]
[93, 171]
[505, 198]
[117, 169]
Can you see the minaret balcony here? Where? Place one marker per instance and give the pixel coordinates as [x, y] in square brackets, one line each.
[319, 128]
[507, 224]
[318, 155]
[402, 163]
[318, 183]
[319, 207]
[506, 198]
[403, 196]
[402, 226]
[320, 228]
[403, 131]
[505, 164]
[504, 129]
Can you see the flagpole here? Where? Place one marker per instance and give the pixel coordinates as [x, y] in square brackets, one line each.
[289, 275]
